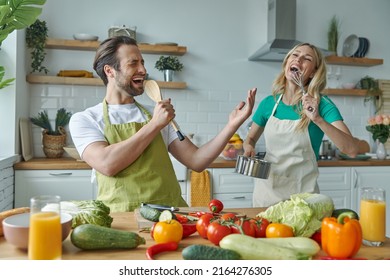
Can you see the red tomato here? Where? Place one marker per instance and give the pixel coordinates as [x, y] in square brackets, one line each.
[216, 231]
[279, 230]
[317, 237]
[203, 223]
[261, 225]
[229, 217]
[244, 226]
[215, 206]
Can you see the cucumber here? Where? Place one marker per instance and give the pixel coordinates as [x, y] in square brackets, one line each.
[93, 237]
[205, 252]
[336, 213]
[149, 213]
[166, 215]
[251, 248]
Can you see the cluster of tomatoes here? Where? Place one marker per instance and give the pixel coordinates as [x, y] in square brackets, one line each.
[215, 227]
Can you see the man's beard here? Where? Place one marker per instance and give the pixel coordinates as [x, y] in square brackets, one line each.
[128, 88]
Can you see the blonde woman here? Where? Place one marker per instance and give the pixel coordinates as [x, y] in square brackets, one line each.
[294, 125]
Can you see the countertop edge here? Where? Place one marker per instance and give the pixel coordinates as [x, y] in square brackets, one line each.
[70, 163]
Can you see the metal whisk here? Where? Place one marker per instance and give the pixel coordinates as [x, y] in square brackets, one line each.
[298, 80]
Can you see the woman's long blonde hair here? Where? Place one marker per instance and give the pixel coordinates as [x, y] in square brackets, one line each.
[314, 86]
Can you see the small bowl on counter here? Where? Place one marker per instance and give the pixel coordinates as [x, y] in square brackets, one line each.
[16, 228]
[72, 152]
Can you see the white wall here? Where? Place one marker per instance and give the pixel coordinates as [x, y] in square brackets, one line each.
[220, 36]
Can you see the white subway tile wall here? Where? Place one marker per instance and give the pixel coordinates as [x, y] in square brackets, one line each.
[201, 112]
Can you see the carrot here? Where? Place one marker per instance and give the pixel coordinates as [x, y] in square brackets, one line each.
[11, 212]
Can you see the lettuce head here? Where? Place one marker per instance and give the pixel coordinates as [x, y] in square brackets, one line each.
[303, 212]
[86, 212]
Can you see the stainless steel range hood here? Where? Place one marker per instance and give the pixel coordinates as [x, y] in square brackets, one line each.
[281, 31]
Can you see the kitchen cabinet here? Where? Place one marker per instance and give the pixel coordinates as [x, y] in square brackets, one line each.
[68, 184]
[65, 44]
[350, 61]
[235, 190]
[371, 177]
[335, 182]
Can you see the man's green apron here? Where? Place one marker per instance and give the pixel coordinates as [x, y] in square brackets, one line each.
[150, 178]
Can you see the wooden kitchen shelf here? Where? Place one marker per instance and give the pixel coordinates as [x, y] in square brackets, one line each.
[353, 61]
[65, 44]
[346, 92]
[37, 79]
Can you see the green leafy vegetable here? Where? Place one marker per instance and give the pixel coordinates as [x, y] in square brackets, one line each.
[87, 212]
[303, 212]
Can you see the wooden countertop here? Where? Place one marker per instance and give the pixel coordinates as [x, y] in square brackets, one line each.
[70, 163]
[127, 221]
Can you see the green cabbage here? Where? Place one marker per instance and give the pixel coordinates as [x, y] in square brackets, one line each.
[87, 212]
[303, 212]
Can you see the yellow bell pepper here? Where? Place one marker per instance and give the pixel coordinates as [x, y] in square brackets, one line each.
[341, 237]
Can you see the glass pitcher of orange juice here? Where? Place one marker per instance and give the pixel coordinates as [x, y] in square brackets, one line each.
[373, 216]
[45, 235]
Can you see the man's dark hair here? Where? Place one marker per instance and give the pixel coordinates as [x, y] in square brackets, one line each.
[106, 54]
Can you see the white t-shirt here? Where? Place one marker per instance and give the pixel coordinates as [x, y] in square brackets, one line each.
[87, 126]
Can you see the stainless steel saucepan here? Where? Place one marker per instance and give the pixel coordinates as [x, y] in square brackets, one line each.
[253, 166]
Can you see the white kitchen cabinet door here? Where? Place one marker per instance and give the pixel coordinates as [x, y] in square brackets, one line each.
[68, 184]
[233, 189]
[335, 182]
[232, 200]
[373, 176]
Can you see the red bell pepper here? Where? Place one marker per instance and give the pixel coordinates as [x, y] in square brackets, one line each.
[188, 229]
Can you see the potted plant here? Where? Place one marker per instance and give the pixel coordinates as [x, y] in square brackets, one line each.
[374, 93]
[333, 34]
[16, 15]
[168, 65]
[53, 140]
[36, 35]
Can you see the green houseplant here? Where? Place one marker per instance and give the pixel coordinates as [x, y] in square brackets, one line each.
[16, 14]
[53, 140]
[168, 65]
[333, 34]
[36, 35]
[374, 93]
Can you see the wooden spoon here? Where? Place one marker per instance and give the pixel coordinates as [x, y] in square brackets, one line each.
[153, 91]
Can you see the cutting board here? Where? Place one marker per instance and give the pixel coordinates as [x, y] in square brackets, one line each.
[144, 223]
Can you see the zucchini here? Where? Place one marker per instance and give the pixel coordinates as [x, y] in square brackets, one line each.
[92, 237]
[251, 248]
[336, 213]
[304, 245]
[205, 252]
[149, 213]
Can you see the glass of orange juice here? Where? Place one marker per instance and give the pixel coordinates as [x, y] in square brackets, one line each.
[45, 235]
[373, 216]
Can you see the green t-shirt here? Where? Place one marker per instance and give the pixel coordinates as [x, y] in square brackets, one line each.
[327, 110]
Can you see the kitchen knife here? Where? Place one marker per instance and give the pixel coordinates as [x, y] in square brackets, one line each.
[161, 207]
